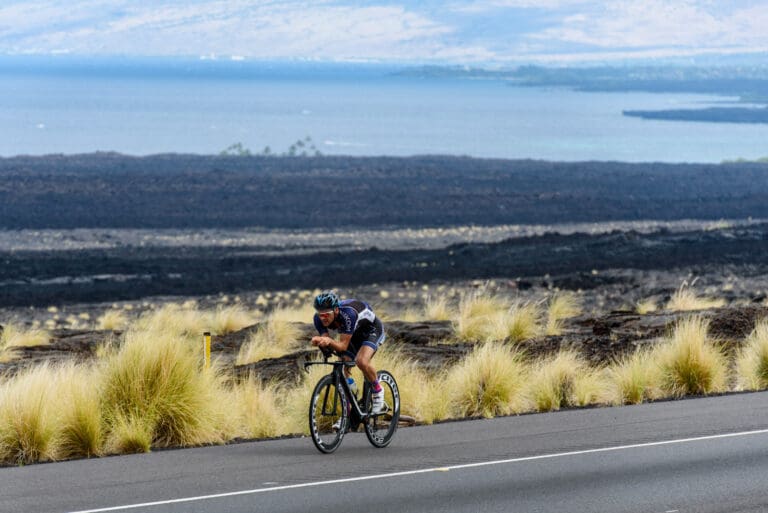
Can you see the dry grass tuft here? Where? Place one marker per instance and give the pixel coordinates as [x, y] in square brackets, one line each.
[646, 306]
[158, 380]
[14, 336]
[272, 339]
[436, 309]
[690, 363]
[130, 434]
[633, 379]
[80, 419]
[230, 319]
[488, 382]
[480, 317]
[28, 423]
[685, 299]
[564, 380]
[752, 360]
[522, 322]
[112, 320]
[173, 321]
[259, 409]
[421, 395]
[562, 305]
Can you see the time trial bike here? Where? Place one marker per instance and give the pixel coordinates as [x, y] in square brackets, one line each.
[334, 409]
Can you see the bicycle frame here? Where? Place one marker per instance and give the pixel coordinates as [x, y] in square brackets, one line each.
[339, 378]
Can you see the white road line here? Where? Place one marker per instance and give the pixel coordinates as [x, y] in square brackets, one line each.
[423, 471]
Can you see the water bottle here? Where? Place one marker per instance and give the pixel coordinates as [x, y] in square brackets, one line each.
[352, 386]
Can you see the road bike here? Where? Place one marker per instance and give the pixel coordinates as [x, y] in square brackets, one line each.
[334, 409]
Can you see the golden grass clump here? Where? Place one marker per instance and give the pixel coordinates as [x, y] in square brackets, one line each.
[563, 380]
[14, 336]
[157, 379]
[562, 305]
[230, 319]
[80, 420]
[421, 395]
[272, 339]
[480, 317]
[522, 321]
[488, 382]
[633, 379]
[690, 363]
[685, 299]
[259, 409]
[436, 309]
[752, 360]
[173, 321]
[112, 320]
[646, 306]
[28, 423]
[130, 434]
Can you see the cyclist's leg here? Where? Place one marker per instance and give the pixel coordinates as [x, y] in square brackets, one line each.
[368, 344]
[363, 362]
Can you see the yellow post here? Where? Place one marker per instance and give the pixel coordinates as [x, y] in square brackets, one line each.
[206, 350]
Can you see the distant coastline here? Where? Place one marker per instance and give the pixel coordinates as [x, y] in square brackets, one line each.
[745, 84]
[712, 114]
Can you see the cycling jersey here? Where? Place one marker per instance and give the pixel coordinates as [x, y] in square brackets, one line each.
[355, 318]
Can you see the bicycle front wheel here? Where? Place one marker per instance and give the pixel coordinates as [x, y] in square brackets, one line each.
[380, 428]
[328, 415]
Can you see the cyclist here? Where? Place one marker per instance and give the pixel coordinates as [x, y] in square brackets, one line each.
[360, 336]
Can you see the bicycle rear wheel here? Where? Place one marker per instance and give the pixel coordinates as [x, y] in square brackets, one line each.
[328, 415]
[380, 428]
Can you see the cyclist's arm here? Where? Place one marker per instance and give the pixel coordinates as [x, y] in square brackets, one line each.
[324, 341]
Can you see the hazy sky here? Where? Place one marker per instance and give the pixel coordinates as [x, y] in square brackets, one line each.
[454, 31]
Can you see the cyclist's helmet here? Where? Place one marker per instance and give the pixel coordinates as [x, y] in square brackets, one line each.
[327, 300]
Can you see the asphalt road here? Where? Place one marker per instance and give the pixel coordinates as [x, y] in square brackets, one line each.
[700, 455]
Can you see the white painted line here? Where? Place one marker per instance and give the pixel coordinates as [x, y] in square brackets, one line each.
[423, 471]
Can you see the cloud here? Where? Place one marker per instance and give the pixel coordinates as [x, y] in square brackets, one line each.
[256, 29]
[410, 30]
[652, 24]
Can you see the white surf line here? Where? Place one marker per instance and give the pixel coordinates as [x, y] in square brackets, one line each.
[423, 471]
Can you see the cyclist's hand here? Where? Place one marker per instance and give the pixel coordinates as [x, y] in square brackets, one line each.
[321, 342]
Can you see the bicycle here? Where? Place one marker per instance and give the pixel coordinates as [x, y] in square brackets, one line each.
[334, 409]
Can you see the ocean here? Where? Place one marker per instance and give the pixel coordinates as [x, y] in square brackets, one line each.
[204, 108]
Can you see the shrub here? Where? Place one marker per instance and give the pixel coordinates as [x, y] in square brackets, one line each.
[488, 382]
[690, 362]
